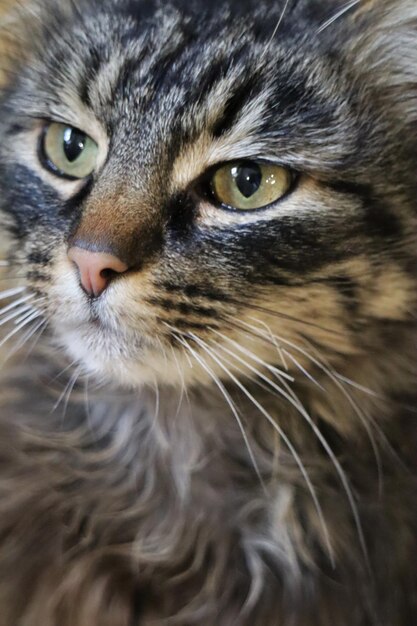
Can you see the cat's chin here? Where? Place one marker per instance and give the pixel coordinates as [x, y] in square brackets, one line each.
[130, 364]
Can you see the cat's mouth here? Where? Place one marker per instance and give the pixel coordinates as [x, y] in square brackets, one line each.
[111, 337]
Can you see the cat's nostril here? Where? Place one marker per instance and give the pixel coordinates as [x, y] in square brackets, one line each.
[96, 269]
[108, 273]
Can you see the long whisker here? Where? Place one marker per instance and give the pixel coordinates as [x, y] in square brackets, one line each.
[29, 309]
[12, 278]
[183, 391]
[16, 314]
[357, 386]
[276, 29]
[16, 303]
[40, 326]
[332, 374]
[283, 436]
[324, 368]
[332, 456]
[26, 321]
[286, 316]
[359, 412]
[231, 405]
[338, 15]
[64, 371]
[364, 418]
[254, 370]
[303, 370]
[87, 405]
[9, 293]
[38, 332]
[271, 368]
[65, 395]
[276, 344]
[157, 398]
[70, 389]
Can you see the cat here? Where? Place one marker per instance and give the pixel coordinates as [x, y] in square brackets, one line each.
[207, 396]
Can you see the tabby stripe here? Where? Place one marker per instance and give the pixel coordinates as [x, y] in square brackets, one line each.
[182, 307]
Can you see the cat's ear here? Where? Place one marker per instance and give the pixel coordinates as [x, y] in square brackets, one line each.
[384, 51]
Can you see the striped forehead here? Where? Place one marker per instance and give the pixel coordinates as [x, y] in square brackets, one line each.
[201, 123]
[161, 99]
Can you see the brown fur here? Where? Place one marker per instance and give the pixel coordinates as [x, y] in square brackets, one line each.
[227, 436]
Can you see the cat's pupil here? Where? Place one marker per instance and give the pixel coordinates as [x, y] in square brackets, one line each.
[74, 143]
[248, 178]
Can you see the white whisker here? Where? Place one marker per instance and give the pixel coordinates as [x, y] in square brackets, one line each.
[327, 448]
[230, 403]
[303, 370]
[65, 395]
[87, 405]
[333, 376]
[357, 386]
[65, 370]
[16, 314]
[183, 391]
[255, 358]
[281, 17]
[338, 15]
[29, 310]
[11, 334]
[283, 436]
[13, 305]
[9, 293]
[157, 398]
[40, 326]
[276, 344]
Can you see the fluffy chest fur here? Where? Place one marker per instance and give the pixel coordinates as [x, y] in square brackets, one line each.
[207, 406]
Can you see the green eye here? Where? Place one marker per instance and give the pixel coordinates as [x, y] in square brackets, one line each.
[68, 152]
[249, 185]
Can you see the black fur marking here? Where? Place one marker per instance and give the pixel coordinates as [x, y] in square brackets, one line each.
[93, 64]
[40, 257]
[196, 291]
[350, 187]
[183, 324]
[37, 275]
[183, 307]
[234, 106]
[31, 202]
[348, 290]
[17, 129]
[381, 221]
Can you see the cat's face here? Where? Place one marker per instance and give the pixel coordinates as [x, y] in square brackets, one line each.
[245, 180]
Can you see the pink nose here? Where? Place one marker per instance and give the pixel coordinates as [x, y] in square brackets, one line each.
[96, 269]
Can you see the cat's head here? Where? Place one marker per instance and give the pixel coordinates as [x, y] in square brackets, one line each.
[198, 191]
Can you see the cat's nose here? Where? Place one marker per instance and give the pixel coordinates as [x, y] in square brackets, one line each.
[96, 269]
